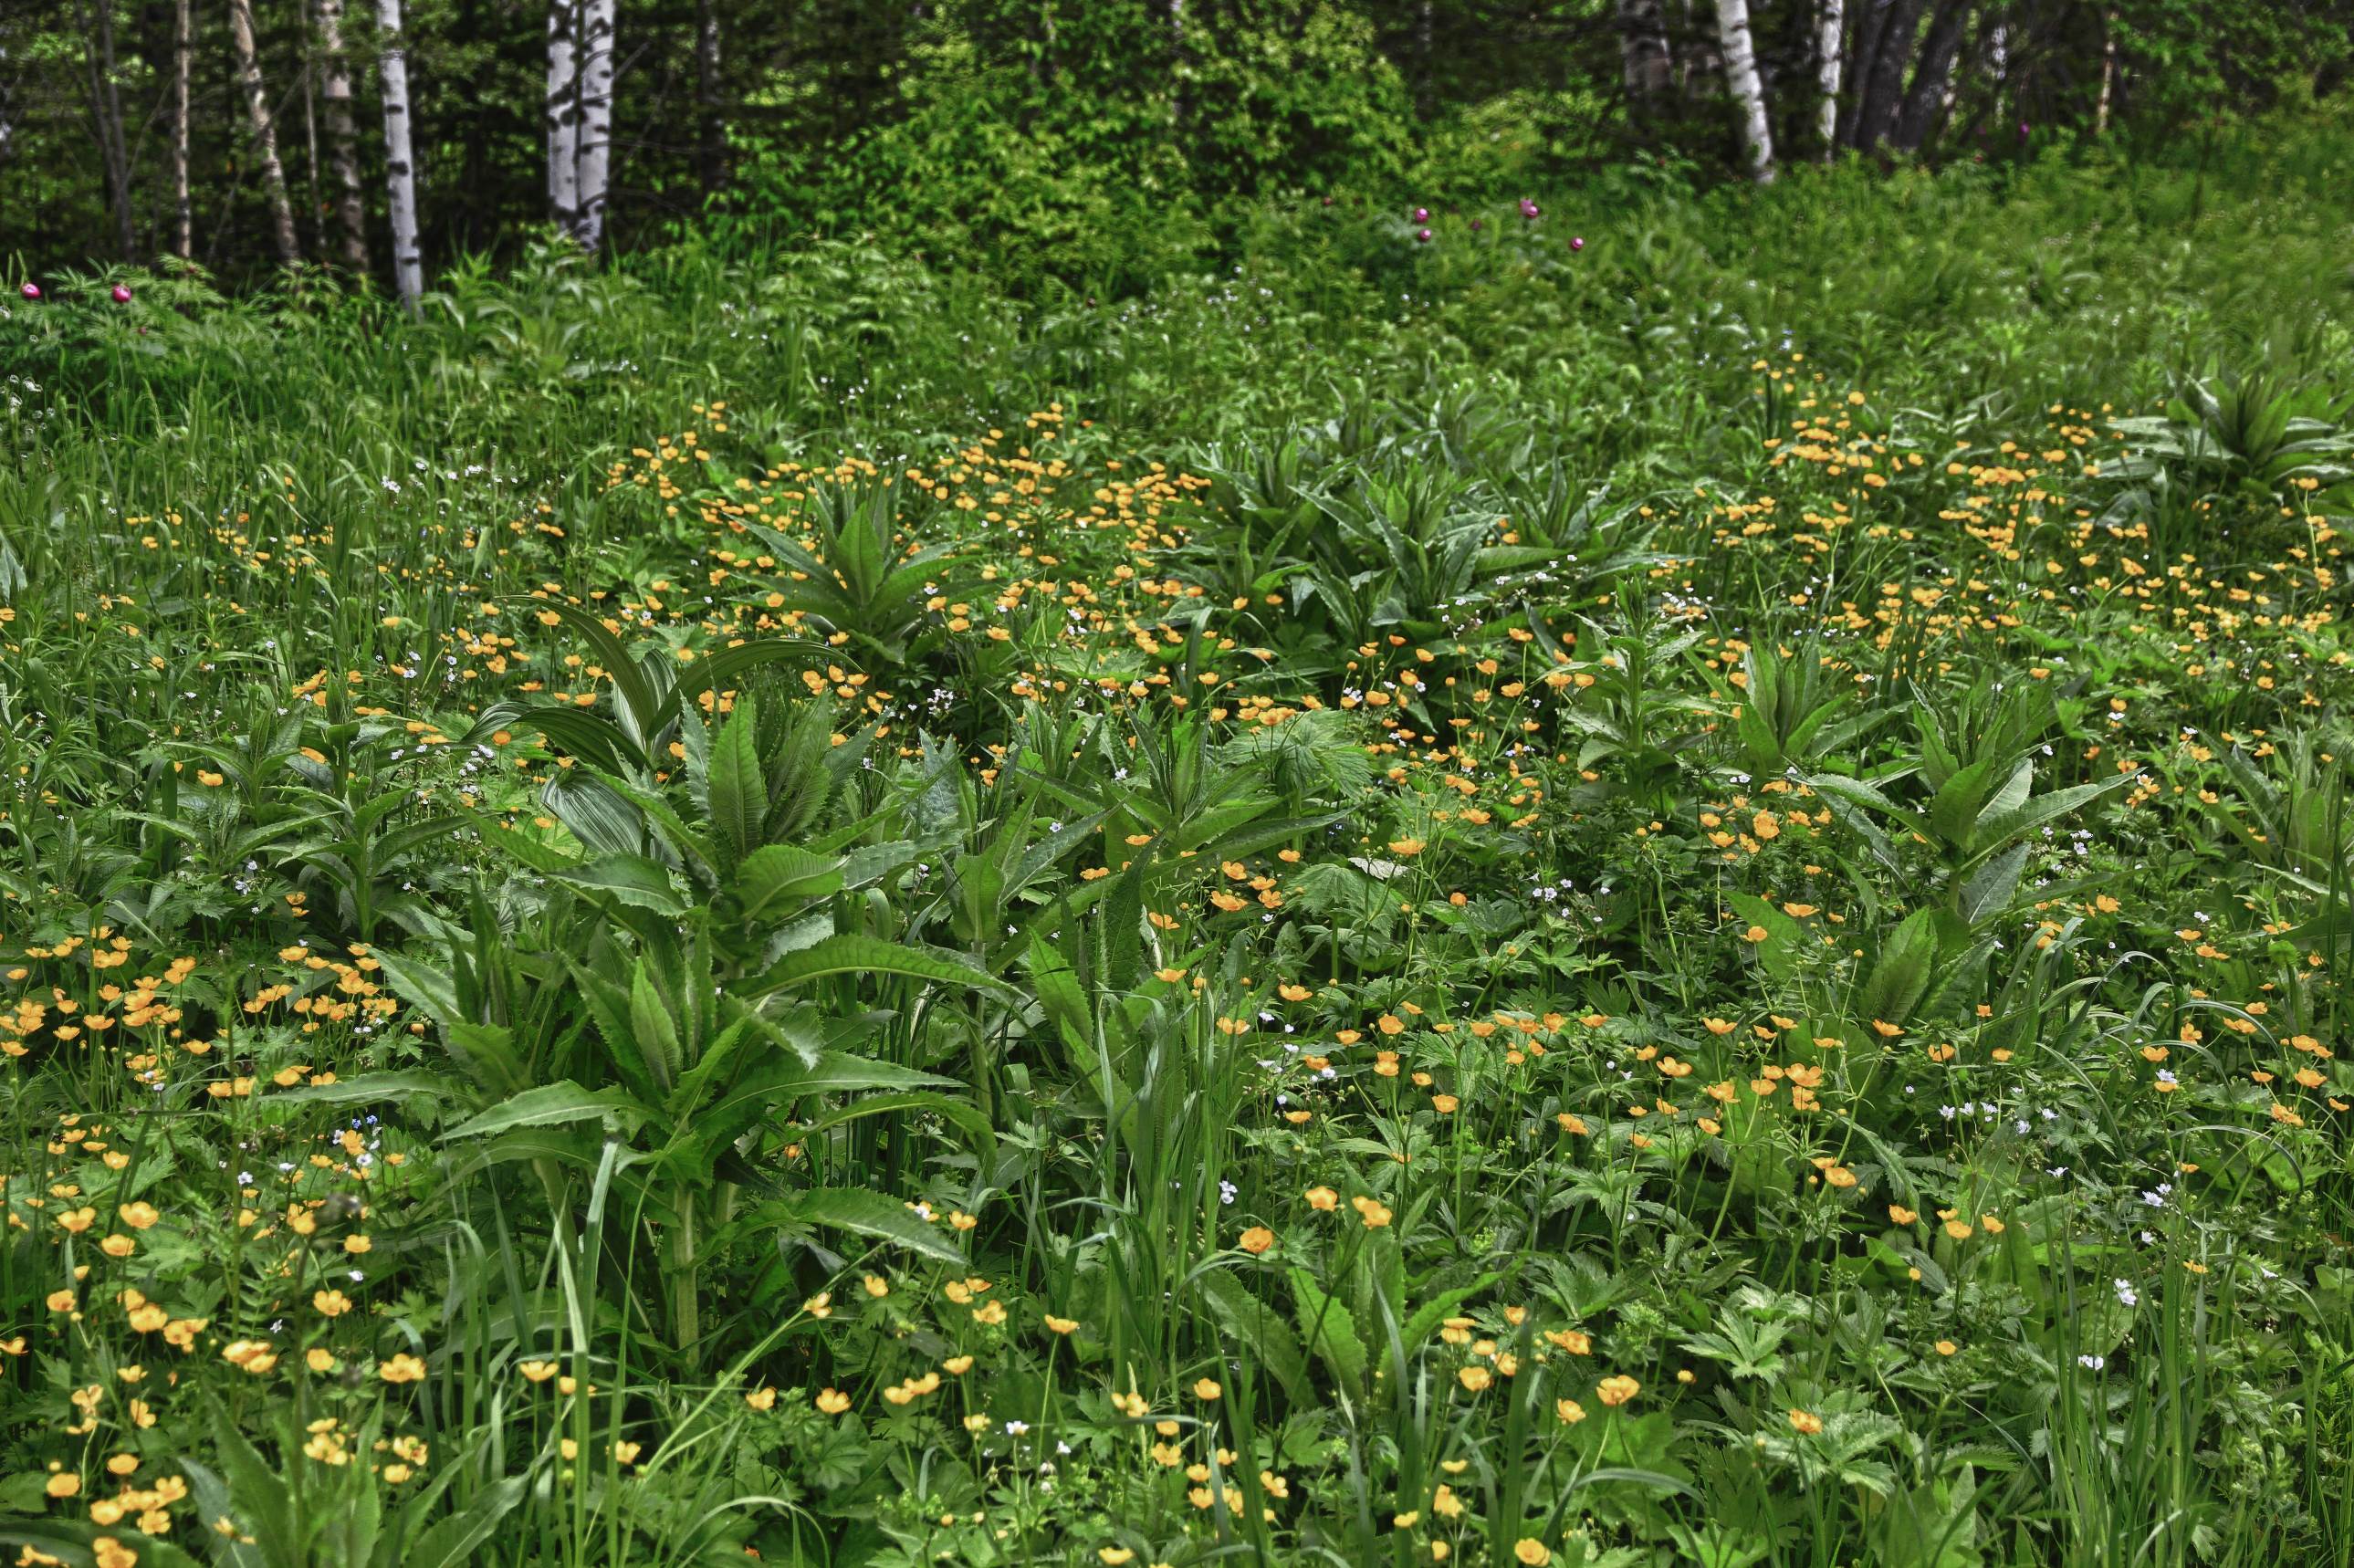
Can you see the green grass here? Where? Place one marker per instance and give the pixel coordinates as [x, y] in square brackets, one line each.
[1671, 902]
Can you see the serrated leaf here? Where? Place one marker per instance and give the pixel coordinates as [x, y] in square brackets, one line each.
[736, 789]
[869, 1213]
[368, 1087]
[776, 874]
[550, 1105]
[1260, 1329]
[1329, 1329]
[1901, 978]
[850, 953]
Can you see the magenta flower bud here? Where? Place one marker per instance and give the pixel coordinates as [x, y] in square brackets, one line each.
[1474, 226]
[1576, 242]
[1422, 215]
[31, 290]
[121, 294]
[1528, 209]
[1423, 235]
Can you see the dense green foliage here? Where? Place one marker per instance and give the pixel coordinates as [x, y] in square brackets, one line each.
[1671, 899]
[1065, 147]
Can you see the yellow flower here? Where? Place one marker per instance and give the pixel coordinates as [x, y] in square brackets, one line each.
[402, 1369]
[330, 1303]
[1257, 1240]
[1532, 1550]
[833, 1401]
[1570, 1412]
[1061, 1325]
[538, 1371]
[762, 1398]
[1806, 1422]
[1405, 849]
[1618, 1390]
[1322, 1198]
[1207, 1389]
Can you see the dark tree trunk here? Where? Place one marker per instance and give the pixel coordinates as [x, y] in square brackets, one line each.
[265, 133]
[711, 132]
[1924, 105]
[1882, 78]
[106, 116]
[1646, 68]
[342, 136]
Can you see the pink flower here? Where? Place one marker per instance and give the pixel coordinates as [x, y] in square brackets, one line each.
[1576, 242]
[1528, 209]
[1422, 215]
[1423, 235]
[121, 294]
[31, 290]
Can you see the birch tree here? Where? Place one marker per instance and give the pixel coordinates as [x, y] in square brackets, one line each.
[1831, 41]
[342, 136]
[106, 117]
[596, 118]
[564, 115]
[1924, 104]
[1880, 70]
[399, 170]
[1646, 69]
[265, 131]
[184, 211]
[1748, 91]
[711, 132]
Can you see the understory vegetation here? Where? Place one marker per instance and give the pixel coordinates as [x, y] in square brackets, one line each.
[1659, 881]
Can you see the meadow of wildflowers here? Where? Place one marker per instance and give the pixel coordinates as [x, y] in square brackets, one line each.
[1637, 886]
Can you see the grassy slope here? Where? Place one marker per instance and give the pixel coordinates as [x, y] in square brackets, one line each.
[1461, 900]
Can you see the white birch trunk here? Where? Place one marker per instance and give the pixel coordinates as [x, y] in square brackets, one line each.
[184, 213]
[399, 168]
[596, 118]
[342, 136]
[2108, 71]
[265, 133]
[564, 115]
[1748, 91]
[1830, 43]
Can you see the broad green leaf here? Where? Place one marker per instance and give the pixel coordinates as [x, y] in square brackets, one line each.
[1907, 963]
[774, 876]
[1330, 1330]
[849, 953]
[550, 1105]
[370, 1088]
[870, 1214]
[737, 791]
[963, 1115]
[656, 1032]
[1784, 936]
[629, 879]
[1260, 1328]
